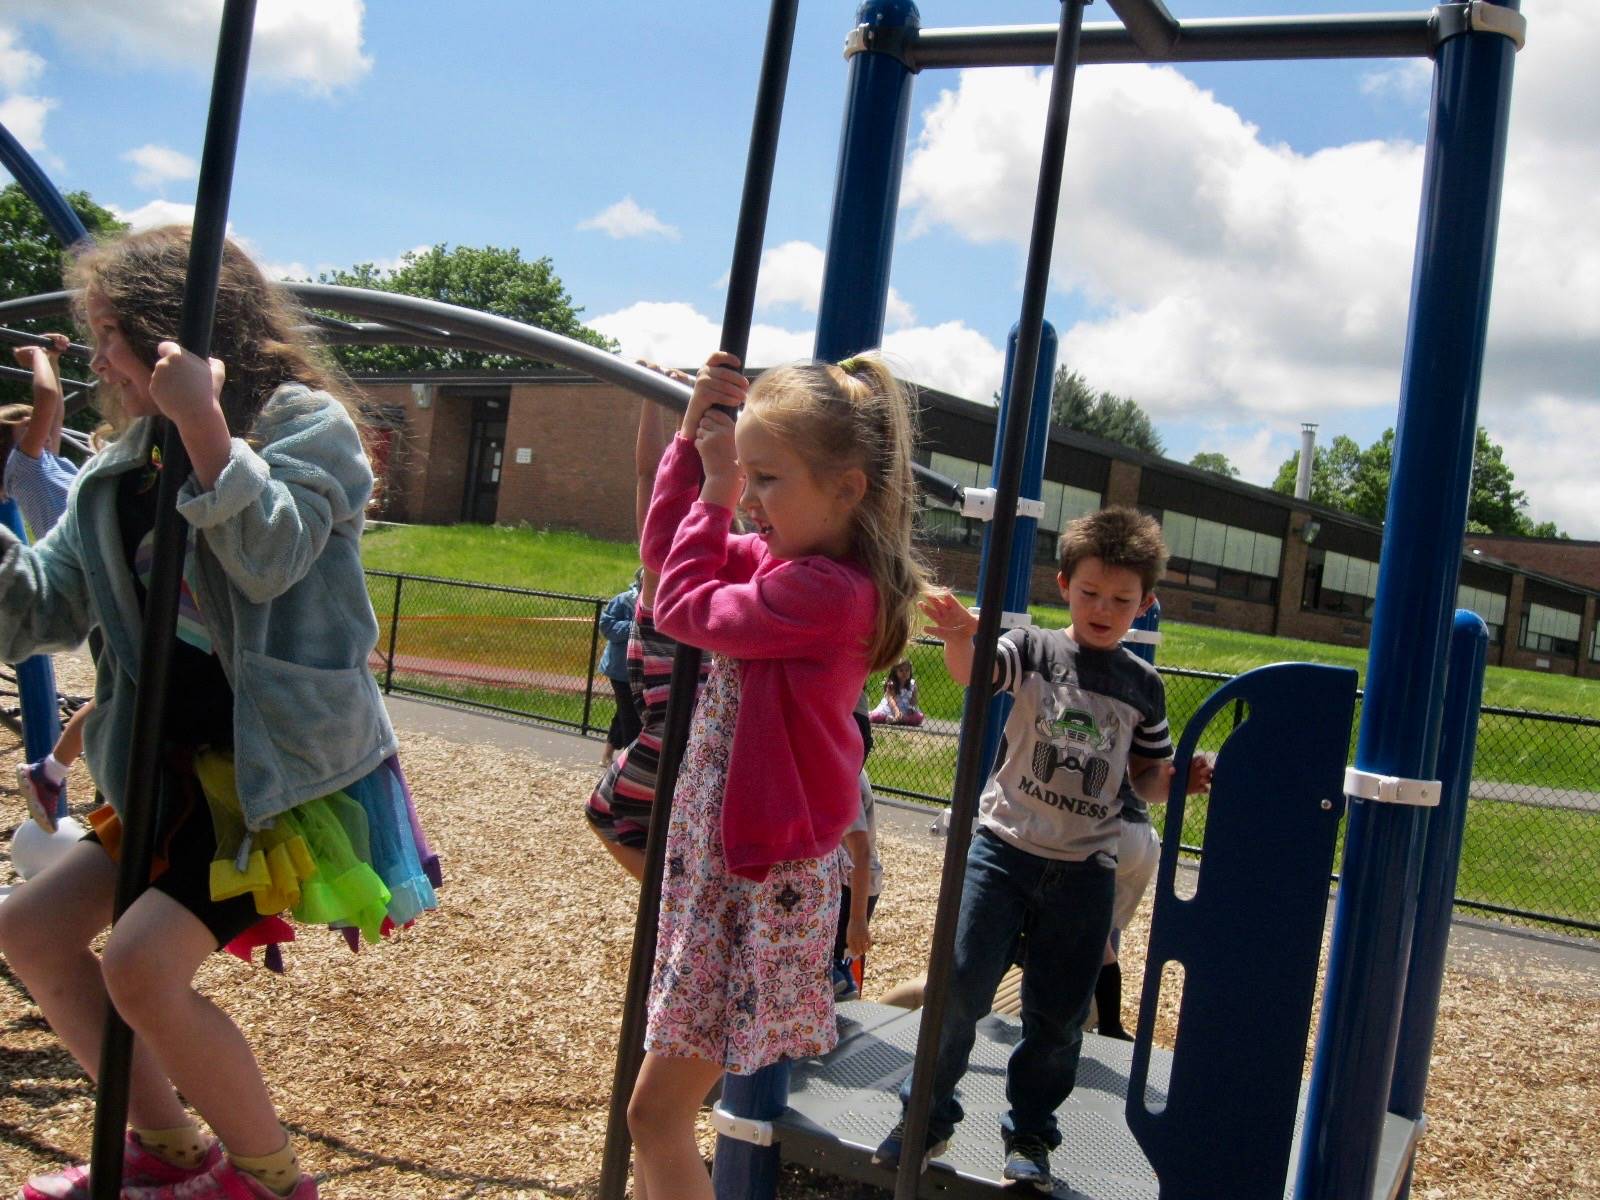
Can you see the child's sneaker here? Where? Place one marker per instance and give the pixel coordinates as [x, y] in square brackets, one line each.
[844, 983]
[888, 1152]
[140, 1168]
[42, 794]
[1028, 1163]
[223, 1182]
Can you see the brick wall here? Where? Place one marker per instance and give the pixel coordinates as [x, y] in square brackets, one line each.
[579, 436]
[1578, 562]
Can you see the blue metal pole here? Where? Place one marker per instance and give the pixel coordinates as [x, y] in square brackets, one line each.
[1417, 577]
[1019, 571]
[36, 682]
[866, 191]
[64, 223]
[1441, 856]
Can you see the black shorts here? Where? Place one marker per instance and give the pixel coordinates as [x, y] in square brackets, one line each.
[188, 843]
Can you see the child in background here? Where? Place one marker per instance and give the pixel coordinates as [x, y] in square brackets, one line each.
[277, 746]
[616, 626]
[1086, 710]
[899, 703]
[794, 617]
[618, 810]
[38, 478]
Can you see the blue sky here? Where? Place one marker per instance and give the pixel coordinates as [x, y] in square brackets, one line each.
[1234, 247]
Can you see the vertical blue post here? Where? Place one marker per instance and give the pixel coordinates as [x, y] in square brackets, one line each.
[1441, 856]
[36, 683]
[1148, 621]
[866, 191]
[1019, 571]
[855, 297]
[1417, 576]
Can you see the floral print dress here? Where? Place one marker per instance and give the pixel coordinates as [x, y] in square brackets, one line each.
[742, 968]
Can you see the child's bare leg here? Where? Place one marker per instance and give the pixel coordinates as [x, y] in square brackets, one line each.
[69, 746]
[149, 964]
[45, 929]
[661, 1118]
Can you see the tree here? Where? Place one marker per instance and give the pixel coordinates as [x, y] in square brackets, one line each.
[487, 279]
[1075, 405]
[31, 262]
[1214, 460]
[1347, 477]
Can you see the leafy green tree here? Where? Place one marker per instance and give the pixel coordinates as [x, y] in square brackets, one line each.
[1215, 460]
[31, 262]
[1347, 477]
[1075, 405]
[487, 279]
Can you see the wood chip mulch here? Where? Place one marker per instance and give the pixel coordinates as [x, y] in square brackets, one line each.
[471, 1056]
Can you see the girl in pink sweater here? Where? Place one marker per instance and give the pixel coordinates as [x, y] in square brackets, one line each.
[794, 616]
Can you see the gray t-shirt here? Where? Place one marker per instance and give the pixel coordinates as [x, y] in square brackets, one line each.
[1077, 714]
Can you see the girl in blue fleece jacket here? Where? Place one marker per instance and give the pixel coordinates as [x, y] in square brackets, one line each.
[279, 789]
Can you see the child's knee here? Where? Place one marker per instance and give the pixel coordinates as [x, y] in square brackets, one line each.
[136, 977]
[653, 1112]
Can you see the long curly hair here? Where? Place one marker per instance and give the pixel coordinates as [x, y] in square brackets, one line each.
[857, 414]
[255, 331]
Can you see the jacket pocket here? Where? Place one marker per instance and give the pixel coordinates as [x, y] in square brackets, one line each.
[300, 732]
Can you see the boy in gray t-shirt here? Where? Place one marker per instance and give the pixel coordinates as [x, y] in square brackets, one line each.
[1087, 714]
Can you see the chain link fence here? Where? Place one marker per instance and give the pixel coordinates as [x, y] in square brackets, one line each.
[1532, 846]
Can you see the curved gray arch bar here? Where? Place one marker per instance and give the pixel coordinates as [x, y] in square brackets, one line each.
[451, 326]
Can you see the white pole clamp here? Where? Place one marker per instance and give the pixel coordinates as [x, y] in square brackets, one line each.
[741, 1129]
[1009, 620]
[1143, 637]
[979, 503]
[1391, 789]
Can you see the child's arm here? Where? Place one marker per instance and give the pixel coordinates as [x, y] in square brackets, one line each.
[858, 846]
[44, 592]
[273, 506]
[44, 427]
[1152, 777]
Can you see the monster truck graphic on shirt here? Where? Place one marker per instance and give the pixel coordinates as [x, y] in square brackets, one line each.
[1068, 741]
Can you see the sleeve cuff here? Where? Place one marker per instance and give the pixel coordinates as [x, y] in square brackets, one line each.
[241, 482]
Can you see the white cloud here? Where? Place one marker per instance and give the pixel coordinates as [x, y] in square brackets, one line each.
[625, 219]
[19, 66]
[315, 45]
[1549, 446]
[156, 212]
[24, 116]
[1261, 285]
[950, 357]
[1410, 82]
[155, 166]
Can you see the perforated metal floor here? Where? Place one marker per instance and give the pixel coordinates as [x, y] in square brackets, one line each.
[841, 1106]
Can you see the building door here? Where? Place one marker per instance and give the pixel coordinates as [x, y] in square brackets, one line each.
[486, 448]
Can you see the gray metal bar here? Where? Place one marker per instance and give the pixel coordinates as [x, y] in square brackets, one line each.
[1226, 39]
[1149, 24]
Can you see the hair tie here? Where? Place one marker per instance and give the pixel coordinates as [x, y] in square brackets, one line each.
[851, 365]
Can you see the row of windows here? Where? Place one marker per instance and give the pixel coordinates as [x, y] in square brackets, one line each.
[1225, 559]
[1547, 630]
[1063, 503]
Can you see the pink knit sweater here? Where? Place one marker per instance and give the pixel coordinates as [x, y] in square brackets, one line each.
[799, 630]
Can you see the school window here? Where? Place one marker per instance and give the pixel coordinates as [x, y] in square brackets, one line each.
[1547, 630]
[1340, 584]
[1491, 606]
[1594, 643]
[942, 523]
[1213, 557]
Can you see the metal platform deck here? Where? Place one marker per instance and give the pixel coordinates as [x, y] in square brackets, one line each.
[842, 1105]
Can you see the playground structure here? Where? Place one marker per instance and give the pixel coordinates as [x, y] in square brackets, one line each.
[1363, 1111]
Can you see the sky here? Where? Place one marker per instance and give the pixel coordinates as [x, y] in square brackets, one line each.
[1234, 246]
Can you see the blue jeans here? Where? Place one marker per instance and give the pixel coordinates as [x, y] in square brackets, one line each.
[1065, 908]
